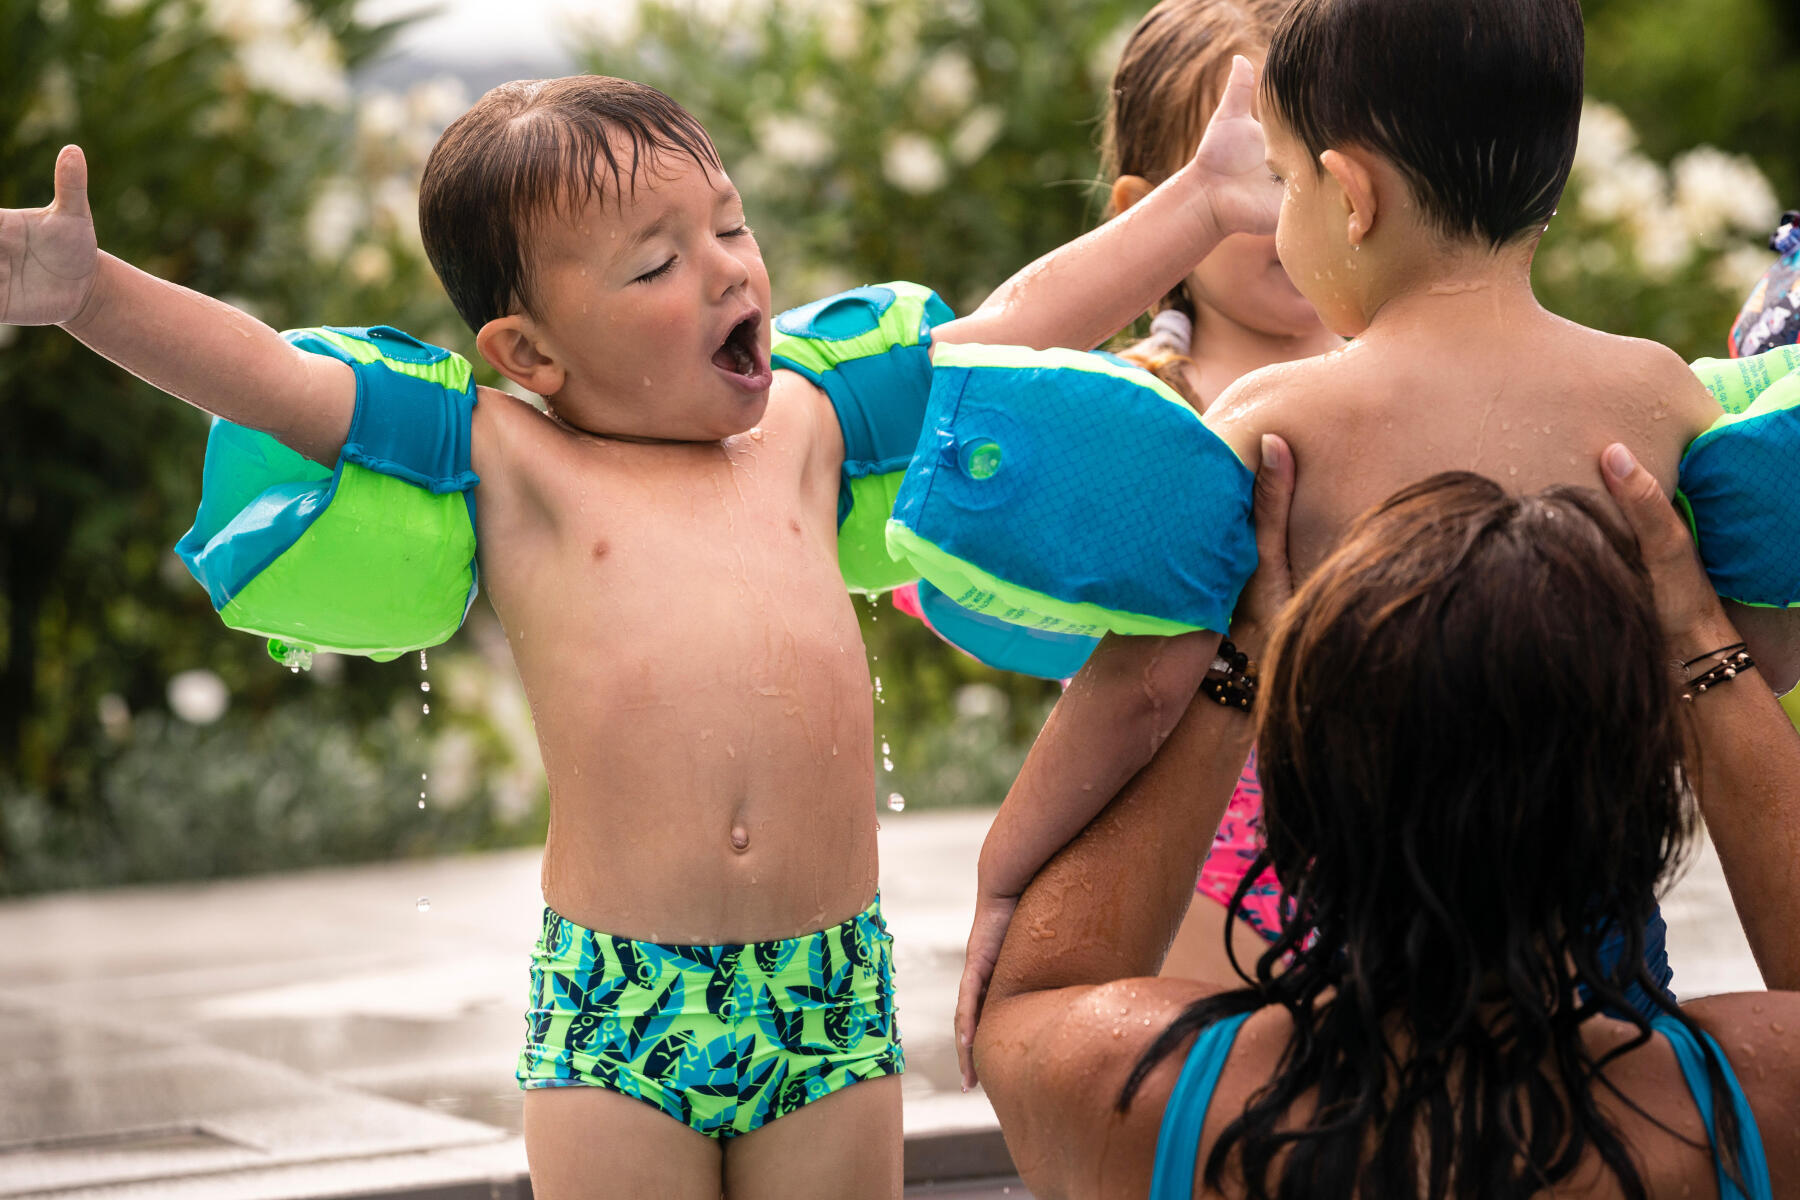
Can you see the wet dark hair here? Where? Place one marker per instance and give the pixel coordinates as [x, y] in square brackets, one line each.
[528, 149]
[1477, 102]
[1472, 763]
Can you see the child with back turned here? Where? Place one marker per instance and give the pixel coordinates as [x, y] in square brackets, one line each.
[1420, 148]
[661, 547]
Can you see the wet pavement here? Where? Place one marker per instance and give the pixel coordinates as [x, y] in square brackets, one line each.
[352, 1032]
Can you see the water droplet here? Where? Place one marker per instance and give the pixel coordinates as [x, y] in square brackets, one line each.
[422, 663]
[422, 775]
[896, 802]
[424, 904]
[426, 709]
[885, 748]
[295, 670]
[424, 686]
[421, 800]
[887, 764]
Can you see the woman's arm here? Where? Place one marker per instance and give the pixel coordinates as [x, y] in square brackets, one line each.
[1071, 1006]
[1748, 753]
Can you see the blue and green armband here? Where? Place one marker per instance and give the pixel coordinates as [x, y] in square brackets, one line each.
[374, 555]
[1736, 479]
[1073, 494]
[869, 350]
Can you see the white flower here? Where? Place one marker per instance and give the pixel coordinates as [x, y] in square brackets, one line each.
[977, 700]
[397, 206]
[1718, 193]
[380, 115]
[913, 164]
[1663, 246]
[198, 697]
[437, 102]
[369, 264]
[336, 214]
[301, 66]
[247, 20]
[1628, 188]
[794, 140]
[1740, 268]
[947, 85]
[843, 32]
[1606, 138]
[977, 133]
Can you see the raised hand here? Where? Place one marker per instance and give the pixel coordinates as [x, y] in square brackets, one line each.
[1245, 197]
[48, 256]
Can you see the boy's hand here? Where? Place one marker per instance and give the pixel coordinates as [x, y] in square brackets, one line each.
[48, 256]
[1234, 163]
[992, 915]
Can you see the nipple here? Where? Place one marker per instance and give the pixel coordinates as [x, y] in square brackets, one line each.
[740, 838]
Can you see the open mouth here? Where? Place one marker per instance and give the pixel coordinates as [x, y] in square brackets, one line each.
[738, 354]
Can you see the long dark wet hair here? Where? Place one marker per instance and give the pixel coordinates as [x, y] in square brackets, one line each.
[1472, 763]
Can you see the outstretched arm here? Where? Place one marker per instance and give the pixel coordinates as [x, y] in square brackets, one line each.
[193, 347]
[1082, 293]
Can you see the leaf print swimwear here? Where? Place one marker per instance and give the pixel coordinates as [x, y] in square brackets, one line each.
[722, 1038]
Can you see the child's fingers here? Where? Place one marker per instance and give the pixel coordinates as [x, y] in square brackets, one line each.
[968, 1005]
[71, 182]
[1240, 91]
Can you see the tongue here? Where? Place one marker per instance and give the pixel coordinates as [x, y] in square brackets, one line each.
[733, 357]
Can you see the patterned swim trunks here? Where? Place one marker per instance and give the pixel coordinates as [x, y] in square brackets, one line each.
[722, 1038]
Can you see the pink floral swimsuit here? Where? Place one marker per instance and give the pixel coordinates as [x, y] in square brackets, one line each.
[1234, 848]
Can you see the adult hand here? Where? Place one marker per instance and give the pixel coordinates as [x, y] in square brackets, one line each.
[48, 256]
[1270, 588]
[1233, 161]
[1686, 604]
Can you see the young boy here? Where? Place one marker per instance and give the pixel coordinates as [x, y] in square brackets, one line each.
[661, 548]
[1421, 149]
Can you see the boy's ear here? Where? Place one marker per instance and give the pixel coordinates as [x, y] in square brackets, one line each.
[1127, 190]
[1354, 176]
[511, 346]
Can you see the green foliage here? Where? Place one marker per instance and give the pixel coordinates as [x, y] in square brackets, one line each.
[1688, 72]
[211, 131]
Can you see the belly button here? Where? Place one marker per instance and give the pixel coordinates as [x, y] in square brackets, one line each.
[740, 838]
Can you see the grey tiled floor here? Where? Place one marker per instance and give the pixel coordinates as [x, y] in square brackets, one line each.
[315, 1034]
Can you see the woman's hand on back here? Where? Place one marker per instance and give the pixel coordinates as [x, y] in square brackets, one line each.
[1693, 618]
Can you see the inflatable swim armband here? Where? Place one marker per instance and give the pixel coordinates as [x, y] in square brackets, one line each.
[1771, 316]
[1073, 494]
[375, 556]
[869, 350]
[1000, 644]
[1736, 481]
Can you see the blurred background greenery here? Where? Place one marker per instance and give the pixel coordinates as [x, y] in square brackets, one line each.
[243, 147]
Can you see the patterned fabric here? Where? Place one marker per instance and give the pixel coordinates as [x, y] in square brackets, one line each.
[722, 1038]
[1234, 847]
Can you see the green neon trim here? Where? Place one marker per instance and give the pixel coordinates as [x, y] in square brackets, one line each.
[978, 591]
[453, 372]
[1735, 383]
[863, 555]
[1790, 704]
[898, 327]
[385, 569]
[1780, 395]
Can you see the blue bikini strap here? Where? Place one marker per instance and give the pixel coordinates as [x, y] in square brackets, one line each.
[1178, 1145]
[1752, 1165]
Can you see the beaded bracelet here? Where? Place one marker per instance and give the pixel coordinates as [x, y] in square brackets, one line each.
[1232, 679]
[1733, 661]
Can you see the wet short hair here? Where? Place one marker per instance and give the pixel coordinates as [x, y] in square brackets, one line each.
[533, 148]
[1476, 102]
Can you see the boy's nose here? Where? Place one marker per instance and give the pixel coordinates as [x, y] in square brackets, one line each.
[730, 271]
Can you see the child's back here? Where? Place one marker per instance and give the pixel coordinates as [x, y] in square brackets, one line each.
[1416, 185]
[1482, 381]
